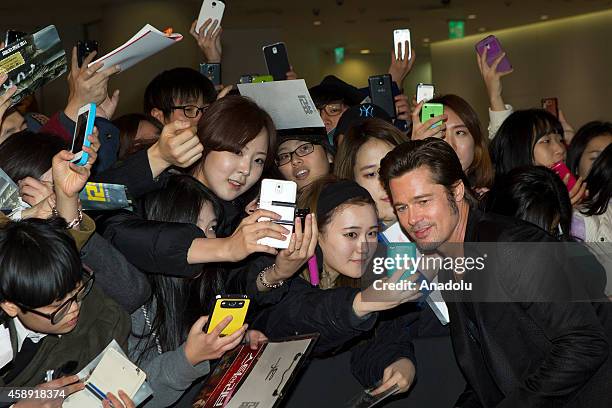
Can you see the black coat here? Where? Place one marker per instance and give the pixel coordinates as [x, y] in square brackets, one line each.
[522, 353]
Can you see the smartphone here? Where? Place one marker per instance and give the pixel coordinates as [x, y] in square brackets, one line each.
[277, 60]
[494, 49]
[233, 305]
[278, 196]
[381, 93]
[12, 36]
[84, 127]
[84, 48]
[249, 79]
[400, 36]
[431, 110]
[212, 72]
[562, 171]
[424, 92]
[212, 9]
[551, 105]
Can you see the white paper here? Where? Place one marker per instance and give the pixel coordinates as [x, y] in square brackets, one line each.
[110, 371]
[6, 349]
[271, 373]
[287, 102]
[146, 42]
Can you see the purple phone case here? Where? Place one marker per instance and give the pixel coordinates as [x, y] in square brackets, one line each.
[494, 49]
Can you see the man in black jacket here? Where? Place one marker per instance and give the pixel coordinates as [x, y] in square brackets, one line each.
[518, 339]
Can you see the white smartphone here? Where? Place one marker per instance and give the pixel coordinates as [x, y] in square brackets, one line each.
[212, 9]
[400, 36]
[424, 92]
[83, 128]
[278, 196]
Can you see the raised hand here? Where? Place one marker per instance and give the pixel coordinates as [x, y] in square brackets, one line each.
[209, 40]
[178, 145]
[400, 68]
[492, 79]
[425, 130]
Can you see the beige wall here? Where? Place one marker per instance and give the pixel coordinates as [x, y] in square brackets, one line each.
[570, 59]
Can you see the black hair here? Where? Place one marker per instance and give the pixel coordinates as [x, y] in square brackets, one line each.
[599, 182]
[39, 262]
[582, 138]
[535, 194]
[513, 143]
[433, 153]
[178, 84]
[29, 154]
[179, 302]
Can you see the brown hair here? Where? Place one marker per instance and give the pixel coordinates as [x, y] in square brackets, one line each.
[128, 129]
[359, 135]
[309, 198]
[232, 122]
[480, 172]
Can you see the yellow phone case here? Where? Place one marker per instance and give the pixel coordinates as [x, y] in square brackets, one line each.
[228, 307]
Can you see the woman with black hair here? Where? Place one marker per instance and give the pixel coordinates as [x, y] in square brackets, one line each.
[588, 143]
[167, 339]
[593, 221]
[534, 194]
[532, 137]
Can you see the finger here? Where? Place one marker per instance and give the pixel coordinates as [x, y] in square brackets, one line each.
[265, 249]
[299, 234]
[126, 399]
[384, 387]
[231, 341]
[398, 51]
[432, 121]
[62, 381]
[74, 62]
[63, 155]
[199, 325]
[114, 401]
[416, 113]
[291, 248]
[225, 91]
[103, 75]
[260, 213]
[204, 26]
[71, 389]
[497, 60]
[88, 71]
[192, 29]
[216, 332]
[267, 233]
[212, 29]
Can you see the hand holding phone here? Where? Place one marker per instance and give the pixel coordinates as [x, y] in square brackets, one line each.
[278, 196]
[563, 171]
[493, 50]
[84, 48]
[234, 306]
[202, 346]
[400, 37]
[424, 125]
[213, 10]
[551, 105]
[83, 129]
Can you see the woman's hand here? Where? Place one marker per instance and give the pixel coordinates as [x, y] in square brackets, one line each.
[400, 373]
[113, 402]
[425, 130]
[243, 241]
[255, 338]
[301, 248]
[65, 386]
[209, 40]
[492, 79]
[578, 193]
[201, 346]
[68, 178]
[34, 191]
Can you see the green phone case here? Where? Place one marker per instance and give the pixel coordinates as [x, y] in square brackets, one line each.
[431, 110]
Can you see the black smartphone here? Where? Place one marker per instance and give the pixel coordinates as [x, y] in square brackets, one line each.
[84, 48]
[301, 213]
[381, 93]
[277, 60]
[12, 36]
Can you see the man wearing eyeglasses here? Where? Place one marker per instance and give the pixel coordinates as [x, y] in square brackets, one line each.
[179, 94]
[333, 97]
[53, 316]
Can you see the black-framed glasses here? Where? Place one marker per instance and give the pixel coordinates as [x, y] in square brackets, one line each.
[191, 111]
[332, 109]
[301, 151]
[64, 308]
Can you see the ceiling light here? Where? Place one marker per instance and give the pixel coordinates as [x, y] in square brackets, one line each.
[472, 17]
[482, 30]
[364, 51]
[426, 40]
[544, 17]
[317, 22]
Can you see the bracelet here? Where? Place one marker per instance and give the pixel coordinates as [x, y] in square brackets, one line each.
[267, 284]
[74, 223]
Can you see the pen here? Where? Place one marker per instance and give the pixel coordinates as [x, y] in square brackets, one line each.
[96, 391]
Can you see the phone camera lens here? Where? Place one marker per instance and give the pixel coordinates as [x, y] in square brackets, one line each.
[214, 3]
[380, 82]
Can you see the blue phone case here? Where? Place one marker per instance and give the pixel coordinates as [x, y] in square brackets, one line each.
[91, 118]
